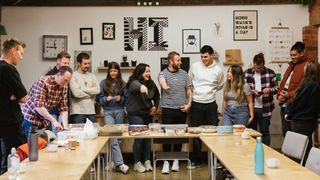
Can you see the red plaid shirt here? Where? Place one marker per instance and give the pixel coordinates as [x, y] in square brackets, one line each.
[44, 93]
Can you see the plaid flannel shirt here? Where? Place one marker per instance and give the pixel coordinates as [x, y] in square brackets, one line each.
[268, 80]
[44, 93]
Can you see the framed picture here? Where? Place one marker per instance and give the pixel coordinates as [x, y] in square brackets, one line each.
[191, 41]
[245, 25]
[108, 31]
[86, 36]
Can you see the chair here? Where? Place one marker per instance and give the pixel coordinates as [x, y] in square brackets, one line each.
[313, 161]
[295, 145]
[162, 156]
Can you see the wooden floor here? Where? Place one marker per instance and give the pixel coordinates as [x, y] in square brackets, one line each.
[200, 173]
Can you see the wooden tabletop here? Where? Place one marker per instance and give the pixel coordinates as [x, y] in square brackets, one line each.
[63, 164]
[237, 155]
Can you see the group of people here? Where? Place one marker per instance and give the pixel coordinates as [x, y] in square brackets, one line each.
[62, 96]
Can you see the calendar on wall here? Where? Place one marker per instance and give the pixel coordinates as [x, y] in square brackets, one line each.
[279, 44]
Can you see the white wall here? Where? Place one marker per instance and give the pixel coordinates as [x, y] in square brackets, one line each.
[30, 23]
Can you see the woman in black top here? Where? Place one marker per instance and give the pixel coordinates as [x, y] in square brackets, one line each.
[303, 110]
[141, 105]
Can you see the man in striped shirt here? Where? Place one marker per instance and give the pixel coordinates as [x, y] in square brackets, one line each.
[176, 96]
[45, 94]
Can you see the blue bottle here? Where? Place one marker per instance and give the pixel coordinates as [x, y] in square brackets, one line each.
[259, 157]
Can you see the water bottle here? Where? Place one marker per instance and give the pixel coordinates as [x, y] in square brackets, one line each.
[33, 144]
[259, 157]
[13, 165]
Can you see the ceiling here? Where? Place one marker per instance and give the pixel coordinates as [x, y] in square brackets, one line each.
[135, 2]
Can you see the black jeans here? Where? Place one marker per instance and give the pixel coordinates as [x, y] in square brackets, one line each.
[286, 125]
[202, 114]
[307, 128]
[11, 136]
[173, 116]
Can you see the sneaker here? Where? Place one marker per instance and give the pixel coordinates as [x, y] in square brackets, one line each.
[193, 165]
[175, 166]
[148, 166]
[165, 167]
[122, 168]
[139, 167]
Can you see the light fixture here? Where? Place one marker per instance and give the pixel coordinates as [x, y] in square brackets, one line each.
[3, 30]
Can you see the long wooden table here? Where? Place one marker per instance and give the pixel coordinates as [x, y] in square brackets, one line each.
[237, 155]
[64, 164]
[154, 135]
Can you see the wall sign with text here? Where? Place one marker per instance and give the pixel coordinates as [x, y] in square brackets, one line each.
[245, 25]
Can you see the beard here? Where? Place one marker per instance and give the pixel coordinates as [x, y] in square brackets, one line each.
[176, 67]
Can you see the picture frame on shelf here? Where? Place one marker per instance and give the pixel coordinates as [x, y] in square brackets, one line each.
[191, 41]
[108, 31]
[245, 25]
[86, 36]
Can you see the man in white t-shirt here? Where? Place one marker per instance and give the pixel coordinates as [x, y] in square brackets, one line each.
[207, 78]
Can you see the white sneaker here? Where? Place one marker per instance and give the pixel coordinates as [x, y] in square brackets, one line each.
[148, 166]
[122, 168]
[139, 167]
[165, 167]
[175, 166]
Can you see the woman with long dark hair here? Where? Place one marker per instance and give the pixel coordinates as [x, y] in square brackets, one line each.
[237, 106]
[141, 105]
[112, 99]
[303, 110]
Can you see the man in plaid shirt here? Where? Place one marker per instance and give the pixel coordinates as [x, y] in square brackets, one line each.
[263, 84]
[45, 94]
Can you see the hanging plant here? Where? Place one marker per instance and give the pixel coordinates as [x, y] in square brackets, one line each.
[304, 2]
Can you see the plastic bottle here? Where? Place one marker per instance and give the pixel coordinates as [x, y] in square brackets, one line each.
[13, 165]
[33, 144]
[259, 157]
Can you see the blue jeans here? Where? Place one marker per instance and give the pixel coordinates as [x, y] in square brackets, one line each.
[140, 145]
[235, 115]
[115, 117]
[81, 118]
[263, 123]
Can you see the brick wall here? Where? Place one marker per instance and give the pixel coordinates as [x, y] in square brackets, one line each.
[310, 33]
[314, 13]
[310, 38]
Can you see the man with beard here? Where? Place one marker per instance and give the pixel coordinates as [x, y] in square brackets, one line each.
[176, 96]
[45, 94]
[84, 88]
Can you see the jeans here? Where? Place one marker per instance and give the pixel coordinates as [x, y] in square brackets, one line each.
[286, 125]
[10, 136]
[115, 117]
[3, 163]
[140, 145]
[235, 115]
[306, 127]
[81, 118]
[173, 116]
[263, 123]
[202, 114]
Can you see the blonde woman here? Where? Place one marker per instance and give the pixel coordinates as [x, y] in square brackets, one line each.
[237, 106]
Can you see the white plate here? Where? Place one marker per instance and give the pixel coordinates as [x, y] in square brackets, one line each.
[61, 143]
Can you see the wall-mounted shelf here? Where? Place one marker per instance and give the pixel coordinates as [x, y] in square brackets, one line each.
[280, 62]
[130, 68]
